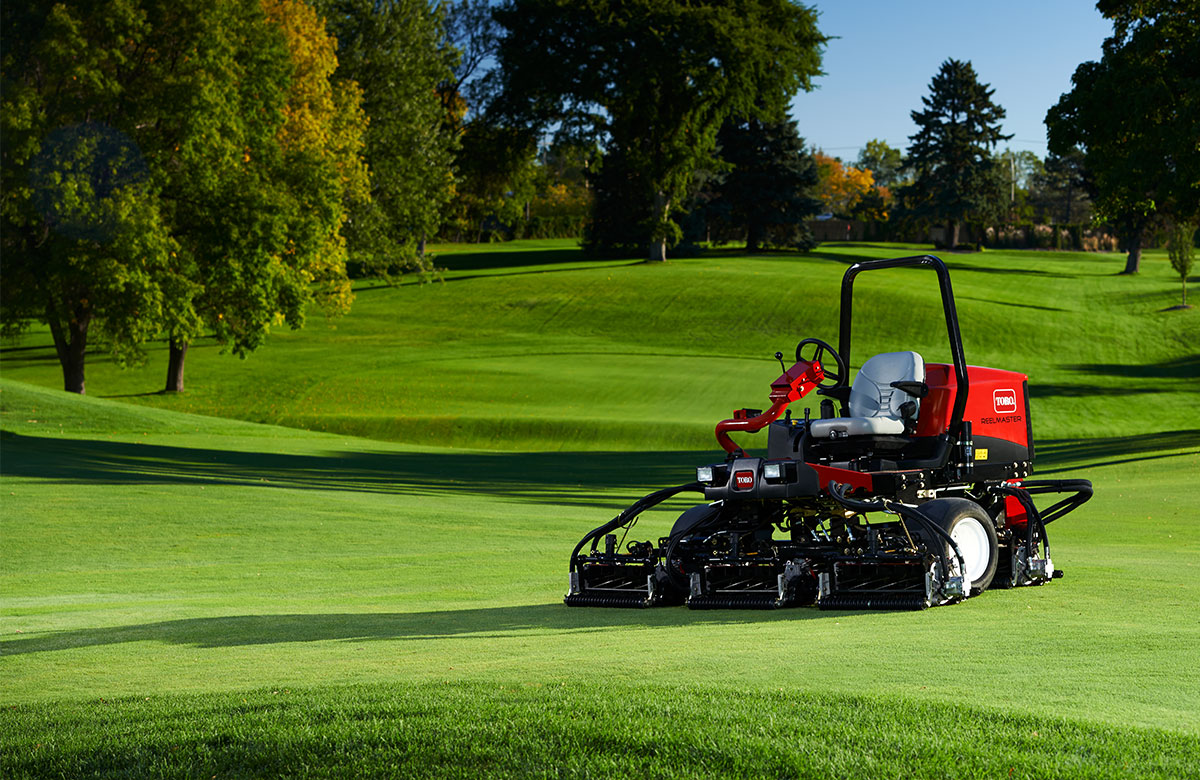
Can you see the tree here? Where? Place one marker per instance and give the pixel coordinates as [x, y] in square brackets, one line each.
[653, 80]
[157, 180]
[496, 169]
[260, 253]
[884, 163]
[108, 106]
[472, 31]
[766, 191]
[840, 187]
[1181, 248]
[395, 51]
[1134, 114]
[950, 154]
[1062, 187]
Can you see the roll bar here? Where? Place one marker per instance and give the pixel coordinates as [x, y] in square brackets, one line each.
[956, 348]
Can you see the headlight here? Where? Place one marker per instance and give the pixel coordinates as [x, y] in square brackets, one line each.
[704, 474]
[773, 471]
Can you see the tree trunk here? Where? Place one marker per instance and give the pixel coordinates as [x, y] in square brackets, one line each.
[952, 234]
[71, 346]
[753, 238]
[658, 250]
[178, 353]
[420, 252]
[1133, 262]
[658, 241]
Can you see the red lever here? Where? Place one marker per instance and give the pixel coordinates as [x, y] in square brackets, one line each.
[795, 383]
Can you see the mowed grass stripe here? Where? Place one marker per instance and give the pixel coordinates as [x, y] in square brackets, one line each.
[584, 730]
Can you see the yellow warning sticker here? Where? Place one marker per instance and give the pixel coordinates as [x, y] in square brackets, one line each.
[980, 453]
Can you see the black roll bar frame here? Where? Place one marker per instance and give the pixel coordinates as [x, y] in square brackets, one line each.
[956, 347]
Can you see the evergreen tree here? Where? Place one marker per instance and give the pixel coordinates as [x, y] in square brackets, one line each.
[767, 191]
[1062, 187]
[950, 154]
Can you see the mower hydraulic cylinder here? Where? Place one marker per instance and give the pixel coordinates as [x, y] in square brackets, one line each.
[795, 383]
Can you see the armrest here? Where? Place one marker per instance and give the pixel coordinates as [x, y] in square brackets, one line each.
[840, 394]
[915, 389]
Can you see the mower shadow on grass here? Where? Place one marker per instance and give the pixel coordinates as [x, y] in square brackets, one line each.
[491, 623]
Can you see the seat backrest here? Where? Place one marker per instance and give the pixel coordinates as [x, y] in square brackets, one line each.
[872, 394]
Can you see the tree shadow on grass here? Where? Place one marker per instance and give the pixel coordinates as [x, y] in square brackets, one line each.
[1187, 367]
[481, 261]
[1012, 304]
[607, 480]
[571, 478]
[1059, 453]
[492, 622]
[1042, 390]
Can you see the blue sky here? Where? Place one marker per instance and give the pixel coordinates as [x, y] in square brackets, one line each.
[887, 53]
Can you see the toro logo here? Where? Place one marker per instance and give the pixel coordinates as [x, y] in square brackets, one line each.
[1005, 401]
[744, 480]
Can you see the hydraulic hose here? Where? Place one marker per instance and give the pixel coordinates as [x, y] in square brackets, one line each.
[838, 491]
[635, 509]
[676, 538]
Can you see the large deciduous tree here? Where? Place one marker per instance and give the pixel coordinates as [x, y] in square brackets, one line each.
[1135, 115]
[885, 163]
[396, 52]
[951, 152]
[107, 114]
[265, 231]
[654, 80]
[164, 171]
[840, 187]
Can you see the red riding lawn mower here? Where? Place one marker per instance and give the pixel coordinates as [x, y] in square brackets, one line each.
[912, 491]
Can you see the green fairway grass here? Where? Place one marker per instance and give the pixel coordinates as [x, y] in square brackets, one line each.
[199, 594]
[540, 349]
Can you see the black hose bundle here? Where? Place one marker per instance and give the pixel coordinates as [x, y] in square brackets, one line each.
[838, 491]
[1035, 525]
[630, 514]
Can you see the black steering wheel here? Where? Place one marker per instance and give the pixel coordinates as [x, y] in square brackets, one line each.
[838, 377]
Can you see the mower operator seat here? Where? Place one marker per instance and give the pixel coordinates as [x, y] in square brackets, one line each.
[874, 402]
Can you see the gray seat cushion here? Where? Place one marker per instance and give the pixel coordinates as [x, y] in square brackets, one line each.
[838, 427]
[874, 403]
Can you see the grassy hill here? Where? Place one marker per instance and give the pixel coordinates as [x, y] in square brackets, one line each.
[188, 595]
[538, 349]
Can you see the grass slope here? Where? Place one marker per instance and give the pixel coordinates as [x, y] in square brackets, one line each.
[182, 595]
[539, 349]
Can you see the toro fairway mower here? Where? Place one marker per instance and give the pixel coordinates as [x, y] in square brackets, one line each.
[911, 490]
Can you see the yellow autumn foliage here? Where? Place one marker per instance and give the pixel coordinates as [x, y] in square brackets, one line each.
[325, 119]
[840, 187]
[321, 117]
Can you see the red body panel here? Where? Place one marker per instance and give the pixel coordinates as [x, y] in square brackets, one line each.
[1015, 513]
[996, 404]
[855, 479]
[795, 383]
